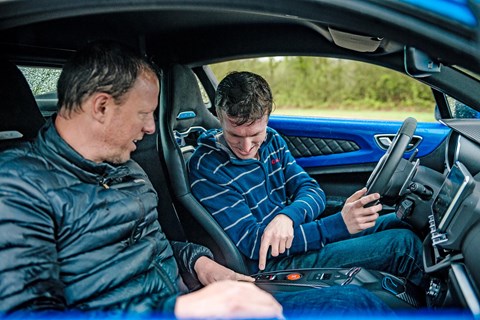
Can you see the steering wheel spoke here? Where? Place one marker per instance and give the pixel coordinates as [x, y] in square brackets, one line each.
[388, 163]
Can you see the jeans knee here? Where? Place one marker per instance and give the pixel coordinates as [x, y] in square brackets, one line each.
[406, 237]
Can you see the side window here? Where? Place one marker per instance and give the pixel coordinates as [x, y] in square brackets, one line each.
[43, 83]
[205, 98]
[459, 110]
[327, 87]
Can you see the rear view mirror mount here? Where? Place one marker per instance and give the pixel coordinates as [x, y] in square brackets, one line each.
[418, 64]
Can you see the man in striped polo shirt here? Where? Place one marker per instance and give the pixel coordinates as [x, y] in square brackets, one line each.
[246, 177]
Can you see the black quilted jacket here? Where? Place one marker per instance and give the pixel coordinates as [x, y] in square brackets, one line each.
[79, 235]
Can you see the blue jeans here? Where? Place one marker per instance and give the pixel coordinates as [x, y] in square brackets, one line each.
[389, 246]
[335, 301]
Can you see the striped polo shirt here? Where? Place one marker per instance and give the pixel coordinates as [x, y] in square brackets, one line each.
[245, 195]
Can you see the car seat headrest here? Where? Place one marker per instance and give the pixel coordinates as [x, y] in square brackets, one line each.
[189, 110]
[19, 113]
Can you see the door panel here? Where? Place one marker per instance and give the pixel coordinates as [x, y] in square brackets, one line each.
[341, 153]
[360, 134]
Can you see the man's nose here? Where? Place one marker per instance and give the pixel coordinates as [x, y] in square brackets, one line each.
[149, 127]
[247, 144]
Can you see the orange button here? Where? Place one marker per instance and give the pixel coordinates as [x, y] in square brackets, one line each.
[294, 276]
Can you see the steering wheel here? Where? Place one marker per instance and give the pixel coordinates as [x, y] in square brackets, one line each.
[385, 168]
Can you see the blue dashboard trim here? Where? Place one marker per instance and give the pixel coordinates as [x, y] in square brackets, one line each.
[360, 131]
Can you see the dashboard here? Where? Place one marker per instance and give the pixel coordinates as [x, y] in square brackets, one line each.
[452, 208]
[451, 247]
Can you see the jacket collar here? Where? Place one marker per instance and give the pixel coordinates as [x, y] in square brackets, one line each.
[60, 155]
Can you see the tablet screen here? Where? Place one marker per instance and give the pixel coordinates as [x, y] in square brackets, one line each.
[450, 195]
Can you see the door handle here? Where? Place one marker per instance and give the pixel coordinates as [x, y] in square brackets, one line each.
[385, 140]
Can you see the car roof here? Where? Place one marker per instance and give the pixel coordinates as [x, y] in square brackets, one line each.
[199, 32]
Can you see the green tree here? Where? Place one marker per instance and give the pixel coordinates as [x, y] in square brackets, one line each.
[314, 82]
[41, 80]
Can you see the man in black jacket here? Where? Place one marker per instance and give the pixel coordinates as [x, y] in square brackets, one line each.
[78, 219]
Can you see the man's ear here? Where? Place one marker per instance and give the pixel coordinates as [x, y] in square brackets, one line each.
[101, 102]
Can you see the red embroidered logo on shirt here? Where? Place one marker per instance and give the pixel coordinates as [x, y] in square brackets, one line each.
[275, 161]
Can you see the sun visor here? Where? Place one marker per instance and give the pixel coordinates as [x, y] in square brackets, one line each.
[355, 42]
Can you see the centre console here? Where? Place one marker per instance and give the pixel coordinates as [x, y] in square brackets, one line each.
[455, 213]
[394, 291]
[455, 208]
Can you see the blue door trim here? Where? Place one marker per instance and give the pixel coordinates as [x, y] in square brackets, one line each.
[361, 132]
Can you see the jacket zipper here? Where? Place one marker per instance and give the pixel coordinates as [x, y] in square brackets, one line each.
[103, 182]
[170, 285]
[166, 279]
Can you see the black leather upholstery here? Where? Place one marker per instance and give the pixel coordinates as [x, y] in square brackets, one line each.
[20, 118]
[310, 147]
[200, 227]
